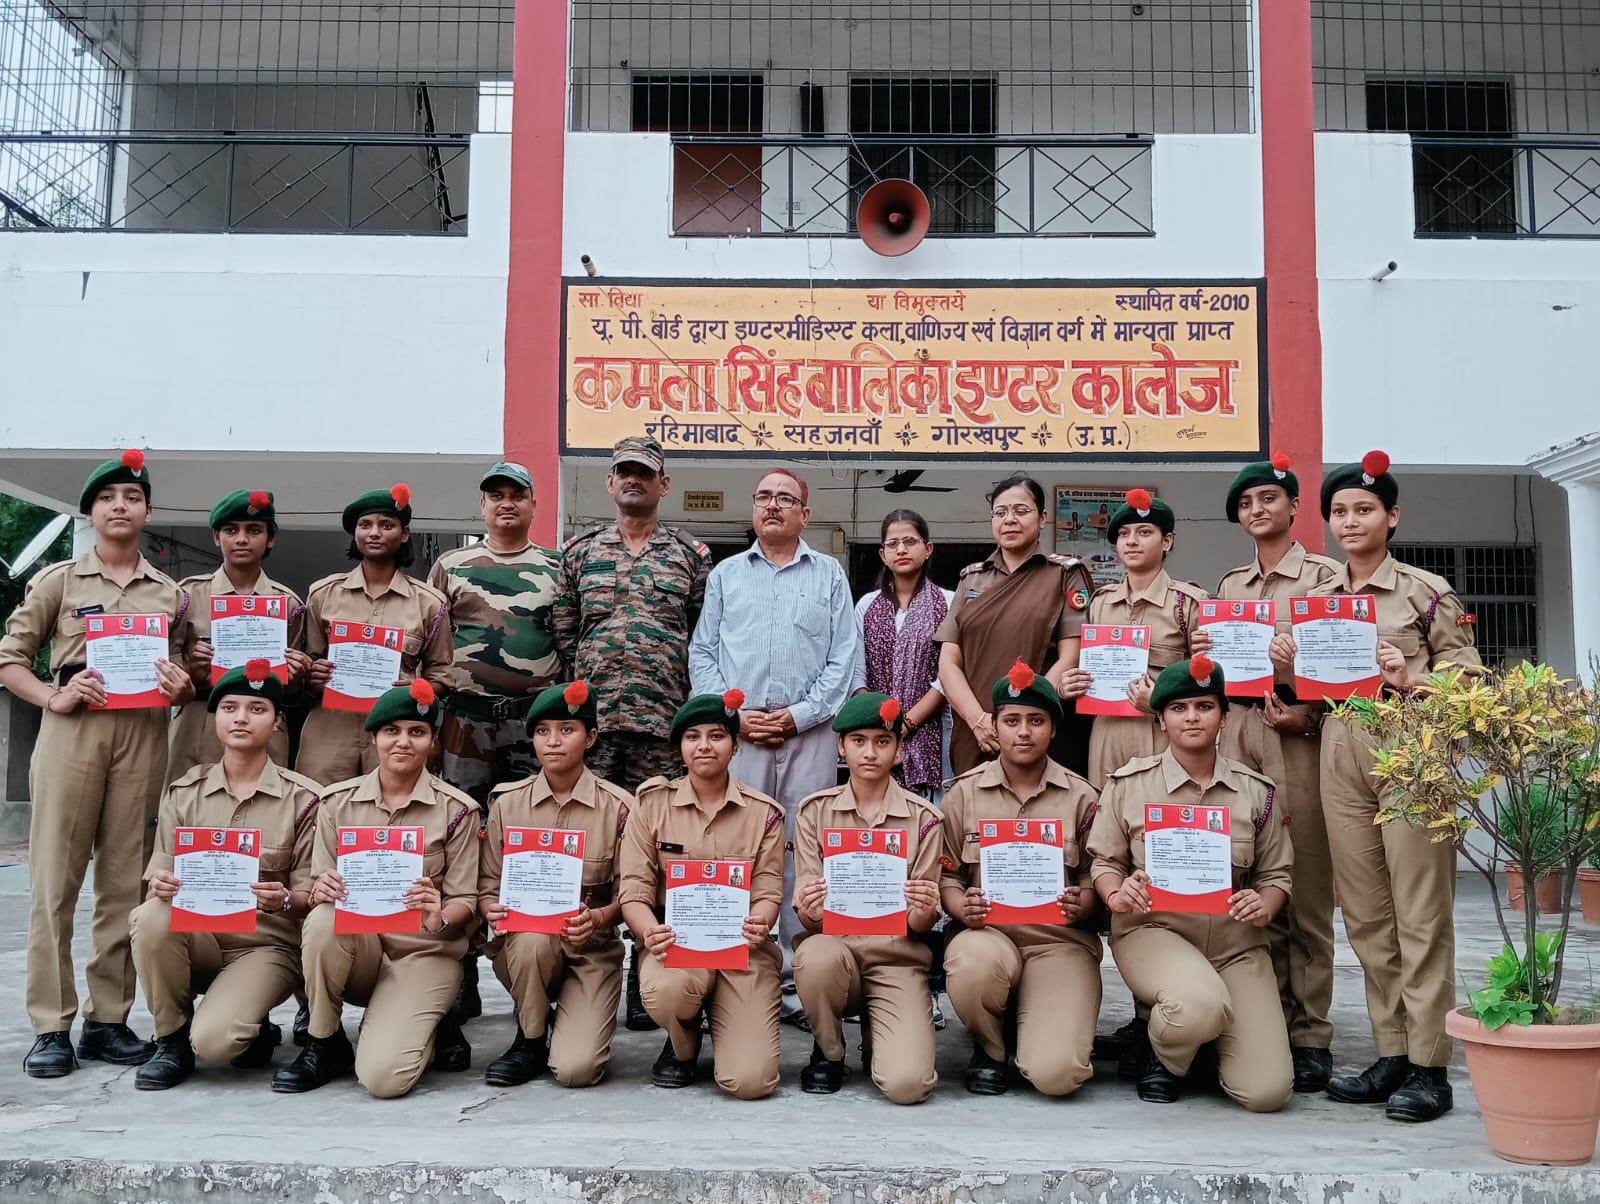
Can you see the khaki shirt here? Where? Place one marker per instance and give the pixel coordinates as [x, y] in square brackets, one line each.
[1262, 854]
[978, 578]
[1418, 612]
[284, 807]
[1296, 575]
[417, 609]
[667, 824]
[985, 794]
[1170, 608]
[60, 597]
[597, 808]
[449, 822]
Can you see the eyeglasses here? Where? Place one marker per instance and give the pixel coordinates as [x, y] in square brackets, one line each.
[783, 501]
[1019, 511]
[910, 543]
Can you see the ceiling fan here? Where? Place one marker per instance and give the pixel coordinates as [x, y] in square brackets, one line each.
[905, 480]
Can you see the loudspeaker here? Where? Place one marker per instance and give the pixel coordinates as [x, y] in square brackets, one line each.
[893, 216]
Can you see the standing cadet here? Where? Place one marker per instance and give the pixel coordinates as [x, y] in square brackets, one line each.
[334, 745]
[500, 592]
[884, 978]
[242, 975]
[1264, 499]
[406, 980]
[631, 592]
[565, 987]
[1042, 978]
[244, 526]
[1203, 977]
[96, 775]
[1396, 887]
[708, 815]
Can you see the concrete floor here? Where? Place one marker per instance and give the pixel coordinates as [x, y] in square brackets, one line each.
[224, 1135]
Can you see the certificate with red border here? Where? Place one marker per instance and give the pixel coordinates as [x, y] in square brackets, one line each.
[378, 866]
[1023, 871]
[1241, 632]
[1116, 656]
[124, 650]
[865, 870]
[366, 662]
[1188, 853]
[1336, 646]
[215, 868]
[541, 878]
[246, 626]
[707, 902]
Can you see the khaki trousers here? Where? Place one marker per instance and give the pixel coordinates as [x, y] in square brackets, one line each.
[238, 986]
[743, 1008]
[1193, 1000]
[405, 998]
[95, 781]
[193, 741]
[1397, 890]
[333, 747]
[887, 976]
[584, 987]
[1053, 989]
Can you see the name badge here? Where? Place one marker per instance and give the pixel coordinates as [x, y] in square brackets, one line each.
[668, 847]
[96, 609]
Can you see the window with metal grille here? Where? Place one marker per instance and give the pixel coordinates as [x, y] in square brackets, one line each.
[958, 176]
[1468, 188]
[716, 187]
[1498, 584]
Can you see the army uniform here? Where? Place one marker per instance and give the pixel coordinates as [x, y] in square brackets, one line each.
[242, 975]
[1203, 977]
[540, 971]
[885, 978]
[668, 823]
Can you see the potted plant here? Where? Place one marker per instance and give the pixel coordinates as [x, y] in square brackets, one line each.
[1511, 754]
[1544, 820]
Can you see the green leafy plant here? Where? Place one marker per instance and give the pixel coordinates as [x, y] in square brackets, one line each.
[1512, 754]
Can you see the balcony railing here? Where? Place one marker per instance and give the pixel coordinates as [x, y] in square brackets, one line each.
[978, 186]
[1506, 187]
[234, 183]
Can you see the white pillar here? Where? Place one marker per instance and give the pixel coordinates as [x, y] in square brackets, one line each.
[1583, 541]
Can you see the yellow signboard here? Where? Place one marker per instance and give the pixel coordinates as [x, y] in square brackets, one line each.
[914, 370]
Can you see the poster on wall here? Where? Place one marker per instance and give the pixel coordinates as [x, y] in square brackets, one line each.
[1081, 518]
[895, 370]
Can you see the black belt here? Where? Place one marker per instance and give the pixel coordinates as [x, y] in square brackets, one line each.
[67, 672]
[487, 706]
[600, 894]
[1285, 695]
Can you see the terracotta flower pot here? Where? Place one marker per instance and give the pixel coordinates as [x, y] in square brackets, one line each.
[1589, 895]
[1538, 1086]
[1548, 895]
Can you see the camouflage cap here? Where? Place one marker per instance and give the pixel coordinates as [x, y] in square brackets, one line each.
[639, 449]
[508, 470]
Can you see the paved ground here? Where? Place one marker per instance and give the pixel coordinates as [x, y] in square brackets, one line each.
[225, 1136]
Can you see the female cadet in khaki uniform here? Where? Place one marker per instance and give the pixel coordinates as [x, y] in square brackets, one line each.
[706, 814]
[242, 975]
[1045, 975]
[578, 974]
[1203, 977]
[334, 745]
[884, 978]
[407, 981]
[1396, 887]
[244, 525]
[96, 775]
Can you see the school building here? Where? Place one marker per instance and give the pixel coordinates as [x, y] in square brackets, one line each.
[319, 247]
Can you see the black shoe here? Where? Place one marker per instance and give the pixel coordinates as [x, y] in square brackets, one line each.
[1312, 1068]
[637, 1020]
[1425, 1095]
[671, 1071]
[796, 1019]
[259, 1052]
[985, 1076]
[51, 1056]
[173, 1062]
[321, 1061]
[1374, 1085]
[938, 1014]
[451, 1051]
[1134, 1037]
[469, 1004]
[1157, 1084]
[1109, 1046]
[524, 1061]
[302, 1025]
[114, 1043]
[822, 1075]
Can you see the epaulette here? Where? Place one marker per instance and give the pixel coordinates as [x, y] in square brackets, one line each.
[818, 795]
[581, 537]
[617, 792]
[659, 782]
[1241, 768]
[324, 583]
[1066, 562]
[449, 791]
[1137, 765]
[423, 587]
[702, 551]
[1192, 589]
[979, 768]
[750, 792]
[1327, 562]
[504, 787]
[336, 787]
[973, 568]
[300, 780]
[191, 775]
[195, 579]
[1110, 585]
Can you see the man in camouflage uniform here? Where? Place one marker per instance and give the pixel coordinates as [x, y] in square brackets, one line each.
[500, 591]
[631, 592]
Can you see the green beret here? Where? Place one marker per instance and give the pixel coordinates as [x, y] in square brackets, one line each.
[395, 500]
[567, 700]
[709, 708]
[245, 505]
[1262, 472]
[253, 679]
[1372, 474]
[1178, 681]
[1022, 687]
[417, 701]
[868, 710]
[125, 469]
[1139, 507]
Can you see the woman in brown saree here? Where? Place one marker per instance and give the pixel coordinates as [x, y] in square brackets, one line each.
[1019, 604]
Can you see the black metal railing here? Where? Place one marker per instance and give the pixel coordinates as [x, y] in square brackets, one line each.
[751, 185]
[1506, 187]
[279, 183]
